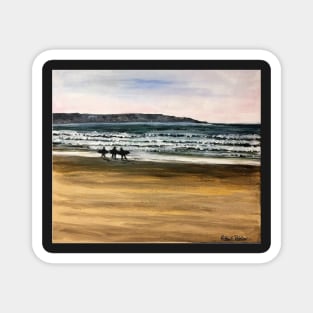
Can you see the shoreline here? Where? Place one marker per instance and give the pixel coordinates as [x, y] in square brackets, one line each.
[160, 158]
[95, 200]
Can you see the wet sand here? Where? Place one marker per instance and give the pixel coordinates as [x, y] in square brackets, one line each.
[95, 200]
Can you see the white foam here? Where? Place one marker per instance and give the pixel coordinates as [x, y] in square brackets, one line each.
[155, 157]
[86, 154]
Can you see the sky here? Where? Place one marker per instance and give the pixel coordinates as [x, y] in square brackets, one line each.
[216, 96]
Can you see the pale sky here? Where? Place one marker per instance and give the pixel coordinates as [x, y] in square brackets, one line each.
[216, 96]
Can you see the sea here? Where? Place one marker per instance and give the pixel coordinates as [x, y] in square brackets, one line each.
[201, 143]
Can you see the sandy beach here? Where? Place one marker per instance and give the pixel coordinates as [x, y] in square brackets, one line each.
[95, 200]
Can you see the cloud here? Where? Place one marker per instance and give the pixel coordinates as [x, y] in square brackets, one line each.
[212, 95]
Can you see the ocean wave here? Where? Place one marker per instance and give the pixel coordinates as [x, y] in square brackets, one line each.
[219, 141]
[240, 140]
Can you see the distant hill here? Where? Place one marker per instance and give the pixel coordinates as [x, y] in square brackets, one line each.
[66, 118]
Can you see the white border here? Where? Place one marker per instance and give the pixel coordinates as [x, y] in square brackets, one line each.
[45, 56]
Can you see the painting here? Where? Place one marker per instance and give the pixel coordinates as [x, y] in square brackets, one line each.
[156, 156]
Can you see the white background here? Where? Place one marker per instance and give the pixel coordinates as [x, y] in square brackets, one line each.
[30, 27]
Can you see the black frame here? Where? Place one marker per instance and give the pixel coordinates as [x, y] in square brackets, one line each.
[231, 247]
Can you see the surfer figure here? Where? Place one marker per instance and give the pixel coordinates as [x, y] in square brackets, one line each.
[103, 152]
[123, 153]
[113, 153]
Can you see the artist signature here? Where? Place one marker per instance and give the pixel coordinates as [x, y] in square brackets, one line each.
[233, 238]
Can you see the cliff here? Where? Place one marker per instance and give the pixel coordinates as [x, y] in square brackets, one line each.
[66, 118]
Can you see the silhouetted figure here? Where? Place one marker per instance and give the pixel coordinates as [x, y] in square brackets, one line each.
[113, 153]
[123, 153]
[103, 152]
